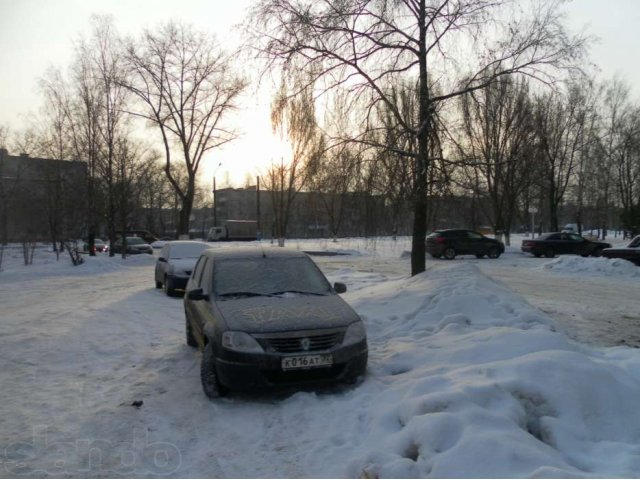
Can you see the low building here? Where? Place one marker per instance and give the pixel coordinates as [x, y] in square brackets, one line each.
[40, 198]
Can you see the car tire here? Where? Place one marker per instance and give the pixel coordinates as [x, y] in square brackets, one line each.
[209, 376]
[549, 253]
[158, 284]
[494, 252]
[479, 255]
[168, 286]
[597, 252]
[449, 253]
[191, 340]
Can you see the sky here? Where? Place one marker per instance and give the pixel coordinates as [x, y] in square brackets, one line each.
[37, 34]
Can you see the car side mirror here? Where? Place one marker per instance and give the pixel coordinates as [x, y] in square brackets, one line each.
[162, 259]
[339, 287]
[197, 295]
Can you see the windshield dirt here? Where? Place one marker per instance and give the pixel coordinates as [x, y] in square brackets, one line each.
[267, 276]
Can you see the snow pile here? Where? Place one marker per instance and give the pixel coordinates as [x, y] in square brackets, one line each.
[606, 267]
[474, 383]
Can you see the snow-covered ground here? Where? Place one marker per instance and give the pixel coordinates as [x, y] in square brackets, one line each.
[468, 376]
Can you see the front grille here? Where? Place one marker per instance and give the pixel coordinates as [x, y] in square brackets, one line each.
[295, 344]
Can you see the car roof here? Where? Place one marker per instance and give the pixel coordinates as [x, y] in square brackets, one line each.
[185, 242]
[253, 252]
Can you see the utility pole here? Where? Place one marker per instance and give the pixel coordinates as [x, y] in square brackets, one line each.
[215, 204]
[258, 206]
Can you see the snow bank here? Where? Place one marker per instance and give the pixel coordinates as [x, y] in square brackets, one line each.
[473, 382]
[604, 267]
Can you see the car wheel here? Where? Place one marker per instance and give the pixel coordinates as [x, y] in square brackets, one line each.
[549, 253]
[494, 252]
[449, 253]
[479, 255]
[191, 340]
[597, 252]
[209, 376]
[158, 284]
[168, 286]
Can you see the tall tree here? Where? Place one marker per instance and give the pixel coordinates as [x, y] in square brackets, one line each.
[365, 46]
[186, 84]
[498, 139]
[294, 117]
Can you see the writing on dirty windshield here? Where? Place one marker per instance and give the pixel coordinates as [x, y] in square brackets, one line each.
[267, 276]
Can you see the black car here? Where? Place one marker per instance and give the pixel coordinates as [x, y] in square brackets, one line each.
[265, 319]
[452, 242]
[631, 252]
[559, 243]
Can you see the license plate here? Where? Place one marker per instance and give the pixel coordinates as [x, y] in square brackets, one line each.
[306, 361]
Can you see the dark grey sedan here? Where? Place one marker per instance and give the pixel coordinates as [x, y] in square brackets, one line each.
[269, 318]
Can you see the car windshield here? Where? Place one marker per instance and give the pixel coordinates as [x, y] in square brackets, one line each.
[268, 276]
[135, 241]
[635, 242]
[187, 250]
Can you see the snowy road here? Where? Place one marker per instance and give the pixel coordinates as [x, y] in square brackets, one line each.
[589, 310]
[450, 353]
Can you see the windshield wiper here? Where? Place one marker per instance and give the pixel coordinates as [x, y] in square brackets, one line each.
[302, 292]
[243, 294]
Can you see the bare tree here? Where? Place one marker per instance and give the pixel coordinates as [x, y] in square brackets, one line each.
[187, 86]
[366, 46]
[295, 118]
[497, 145]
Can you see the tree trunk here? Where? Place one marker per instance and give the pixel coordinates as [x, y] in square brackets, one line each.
[418, 249]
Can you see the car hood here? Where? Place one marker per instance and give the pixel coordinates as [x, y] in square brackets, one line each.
[277, 314]
[622, 249]
[139, 246]
[182, 264]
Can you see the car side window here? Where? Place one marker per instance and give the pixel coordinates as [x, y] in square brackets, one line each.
[554, 237]
[197, 272]
[207, 276]
[575, 238]
[635, 243]
[474, 235]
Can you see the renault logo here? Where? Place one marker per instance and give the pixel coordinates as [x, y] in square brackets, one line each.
[305, 343]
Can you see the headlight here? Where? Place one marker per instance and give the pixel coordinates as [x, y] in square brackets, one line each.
[241, 342]
[355, 334]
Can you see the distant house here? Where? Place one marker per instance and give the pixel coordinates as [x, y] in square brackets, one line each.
[40, 198]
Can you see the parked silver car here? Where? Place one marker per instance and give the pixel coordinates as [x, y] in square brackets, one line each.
[175, 263]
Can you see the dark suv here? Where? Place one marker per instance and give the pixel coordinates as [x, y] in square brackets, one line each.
[449, 243]
[267, 318]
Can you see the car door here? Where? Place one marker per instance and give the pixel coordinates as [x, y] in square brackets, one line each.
[202, 308]
[576, 244]
[459, 241]
[194, 283]
[476, 243]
